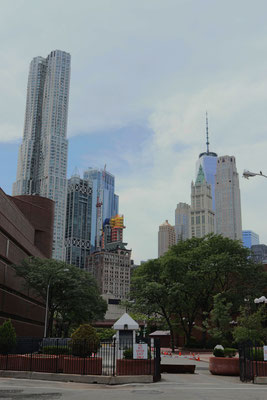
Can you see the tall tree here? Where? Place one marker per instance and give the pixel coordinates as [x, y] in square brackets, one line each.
[74, 297]
[182, 283]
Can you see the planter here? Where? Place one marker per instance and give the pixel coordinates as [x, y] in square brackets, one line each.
[224, 366]
[82, 366]
[135, 367]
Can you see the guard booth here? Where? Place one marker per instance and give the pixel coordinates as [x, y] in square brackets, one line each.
[126, 328]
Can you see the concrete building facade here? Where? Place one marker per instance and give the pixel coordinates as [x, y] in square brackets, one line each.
[42, 160]
[166, 238]
[26, 230]
[227, 199]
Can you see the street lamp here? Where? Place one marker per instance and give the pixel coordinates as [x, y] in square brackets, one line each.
[262, 299]
[47, 299]
[248, 174]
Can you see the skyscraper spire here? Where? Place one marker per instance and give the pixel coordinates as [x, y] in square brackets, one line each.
[207, 132]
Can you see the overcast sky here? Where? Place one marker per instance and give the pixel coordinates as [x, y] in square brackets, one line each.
[144, 72]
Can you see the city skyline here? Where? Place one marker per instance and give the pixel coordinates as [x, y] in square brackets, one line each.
[143, 76]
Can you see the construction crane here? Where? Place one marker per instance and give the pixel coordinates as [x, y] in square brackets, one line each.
[99, 213]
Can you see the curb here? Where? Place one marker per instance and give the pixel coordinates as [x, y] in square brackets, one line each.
[99, 379]
[260, 380]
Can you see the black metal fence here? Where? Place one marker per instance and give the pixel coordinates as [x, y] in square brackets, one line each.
[109, 357]
[251, 359]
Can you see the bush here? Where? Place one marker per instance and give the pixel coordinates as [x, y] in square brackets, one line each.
[56, 350]
[105, 333]
[84, 341]
[229, 352]
[7, 337]
[128, 354]
[255, 354]
[218, 353]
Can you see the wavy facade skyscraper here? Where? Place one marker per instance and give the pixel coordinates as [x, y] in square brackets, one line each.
[42, 160]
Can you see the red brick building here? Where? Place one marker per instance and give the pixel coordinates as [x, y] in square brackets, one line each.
[26, 229]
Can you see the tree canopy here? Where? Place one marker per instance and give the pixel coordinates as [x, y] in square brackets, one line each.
[181, 285]
[74, 297]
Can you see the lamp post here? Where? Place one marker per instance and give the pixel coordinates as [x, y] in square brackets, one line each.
[261, 299]
[248, 174]
[47, 300]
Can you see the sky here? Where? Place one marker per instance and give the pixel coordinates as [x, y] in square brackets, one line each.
[144, 72]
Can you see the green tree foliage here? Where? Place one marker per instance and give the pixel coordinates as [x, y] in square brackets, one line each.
[251, 325]
[105, 333]
[180, 286]
[73, 295]
[220, 325]
[7, 337]
[84, 340]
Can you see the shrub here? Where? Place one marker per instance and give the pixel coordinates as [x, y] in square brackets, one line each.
[105, 333]
[56, 350]
[84, 341]
[7, 337]
[229, 352]
[128, 354]
[218, 352]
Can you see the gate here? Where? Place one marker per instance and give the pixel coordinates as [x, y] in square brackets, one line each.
[251, 361]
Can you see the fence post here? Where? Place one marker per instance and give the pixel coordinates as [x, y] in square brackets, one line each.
[114, 357]
[57, 357]
[157, 375]
[84, 340]
[31, 356]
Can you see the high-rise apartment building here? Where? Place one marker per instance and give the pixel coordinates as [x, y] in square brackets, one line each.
[42, 160]
[78, 221]
[166, 237]
[182, 222]
[103, 185]
[250, 238]
[202, 214]
[208, 162]
[227, 199]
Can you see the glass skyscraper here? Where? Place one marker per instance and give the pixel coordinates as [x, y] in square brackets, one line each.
[42, 160]
[208, 162]
[250, 238]
[78, 221]
[105, 182]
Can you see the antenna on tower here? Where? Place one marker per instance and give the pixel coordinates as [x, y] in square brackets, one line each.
[207, 132]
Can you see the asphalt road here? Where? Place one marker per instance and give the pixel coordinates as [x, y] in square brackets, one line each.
[200, 386]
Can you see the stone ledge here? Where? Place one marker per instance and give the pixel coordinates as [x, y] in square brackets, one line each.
[99, 379]
[260, 380]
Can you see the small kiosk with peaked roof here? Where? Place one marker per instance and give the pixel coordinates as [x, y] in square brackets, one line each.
[126, 328]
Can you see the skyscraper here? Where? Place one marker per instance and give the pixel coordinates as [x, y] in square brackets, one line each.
[166, 237]
[202, 214]
[227, 199]
[103, 185]
[250, 238]
[42, 161]
[78, 221]
[208, 161]
[182, 222]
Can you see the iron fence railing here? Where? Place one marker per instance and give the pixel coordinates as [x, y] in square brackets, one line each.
[107, 357]
[251, 361]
